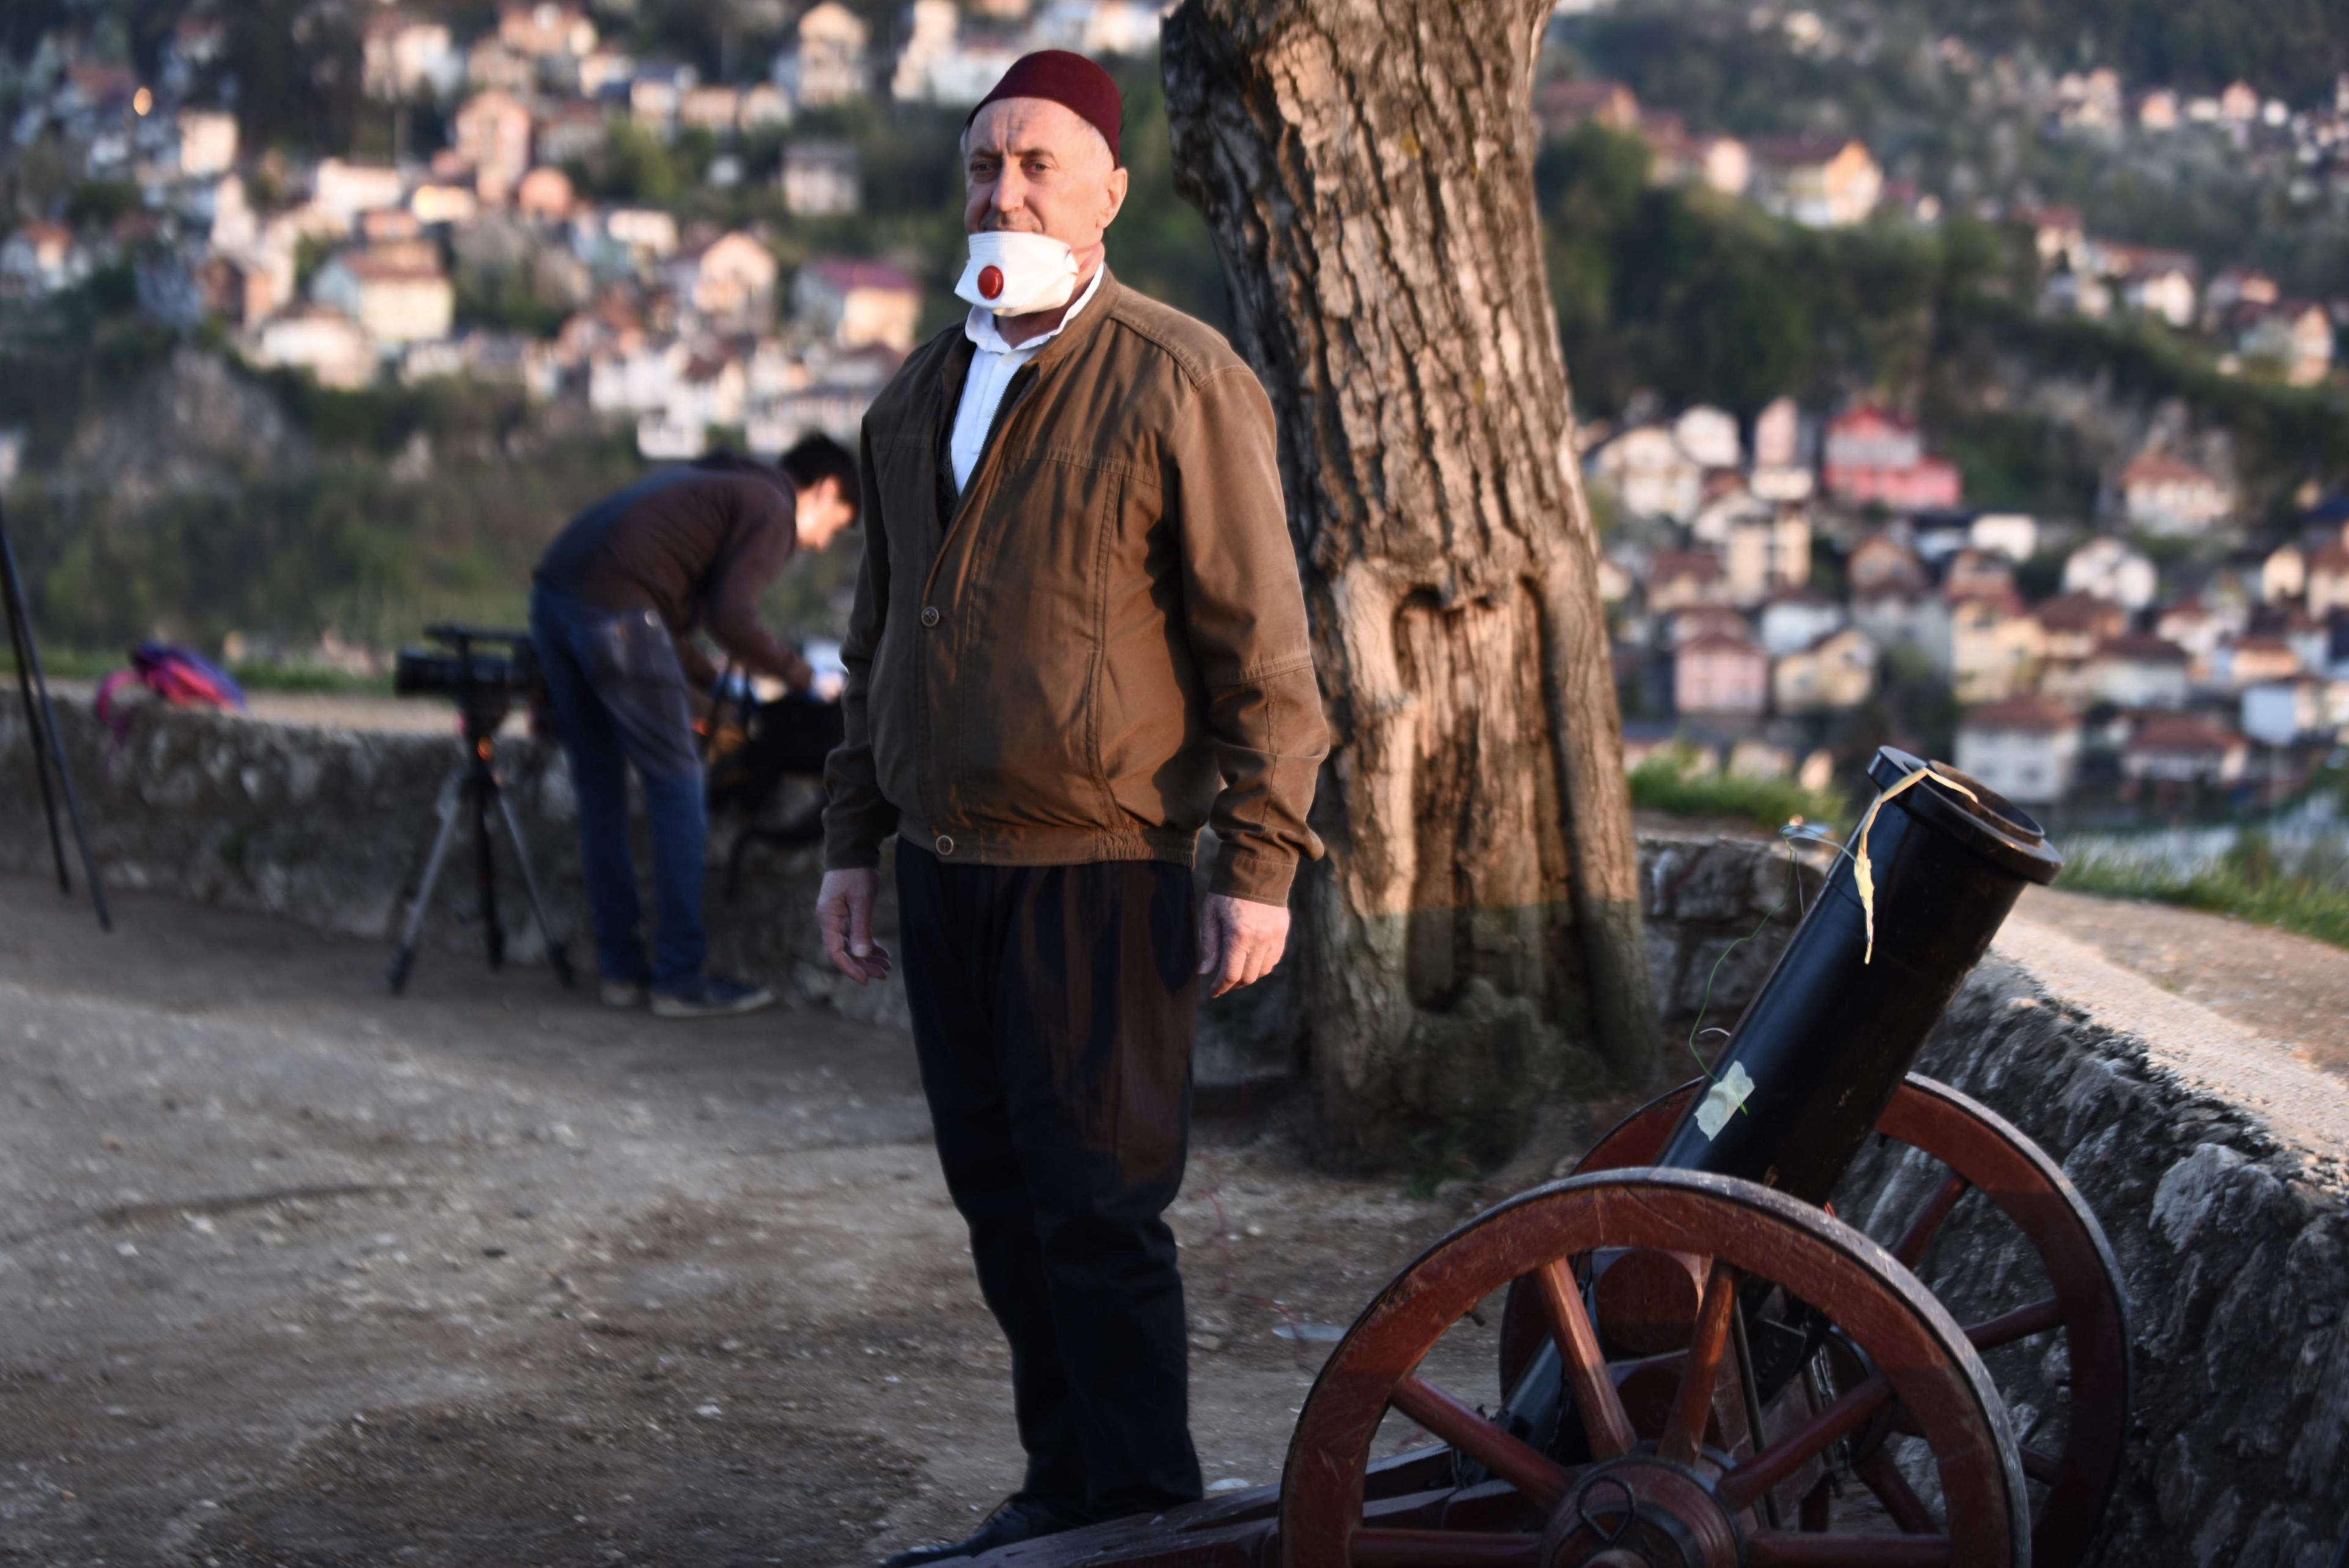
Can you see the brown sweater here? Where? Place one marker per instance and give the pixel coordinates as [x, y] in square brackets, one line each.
[1100, 646]
[697, 546]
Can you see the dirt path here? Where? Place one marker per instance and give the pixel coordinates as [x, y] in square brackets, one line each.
[2289, 988]
[296, 1274]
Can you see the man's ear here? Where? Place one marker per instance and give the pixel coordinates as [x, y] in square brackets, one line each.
[842, 497]
[1116, 185]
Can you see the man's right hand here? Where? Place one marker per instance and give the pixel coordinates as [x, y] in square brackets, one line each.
[844, 910]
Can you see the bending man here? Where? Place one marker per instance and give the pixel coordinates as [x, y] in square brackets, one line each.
[617, 598]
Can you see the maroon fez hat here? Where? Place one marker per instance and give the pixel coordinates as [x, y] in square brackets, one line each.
[1071, 81]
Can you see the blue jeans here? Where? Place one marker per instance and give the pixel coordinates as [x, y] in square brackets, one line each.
[620, 699]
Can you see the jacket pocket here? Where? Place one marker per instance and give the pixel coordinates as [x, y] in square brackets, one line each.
[1025, 695]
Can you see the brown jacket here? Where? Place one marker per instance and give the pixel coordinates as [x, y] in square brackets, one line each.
[1100, 646]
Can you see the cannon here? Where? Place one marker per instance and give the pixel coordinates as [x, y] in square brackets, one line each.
[1700, 1365]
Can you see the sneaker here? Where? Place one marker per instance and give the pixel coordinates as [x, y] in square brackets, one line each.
[1019, 1518]
[623, 995]
[710, 996]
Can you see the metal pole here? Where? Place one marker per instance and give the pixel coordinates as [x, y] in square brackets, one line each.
[557, 955]
[40, 744]
[478, 789]
[28, 663]
[405, 958]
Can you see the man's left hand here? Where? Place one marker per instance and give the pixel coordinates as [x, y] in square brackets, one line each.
[1239, 941]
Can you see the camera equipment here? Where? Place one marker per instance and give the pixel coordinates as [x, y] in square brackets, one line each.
[484, 681]
[41, 723]
[788, 737]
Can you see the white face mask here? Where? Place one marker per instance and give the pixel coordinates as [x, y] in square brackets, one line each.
[1015, 273]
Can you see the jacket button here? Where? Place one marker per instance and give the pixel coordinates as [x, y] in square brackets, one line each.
[945, 845]
[929, 615]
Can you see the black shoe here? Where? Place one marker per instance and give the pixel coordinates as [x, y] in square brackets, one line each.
[1019, 1518]
[710, 996]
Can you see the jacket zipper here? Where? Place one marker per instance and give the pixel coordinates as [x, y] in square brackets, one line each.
[1024, 382]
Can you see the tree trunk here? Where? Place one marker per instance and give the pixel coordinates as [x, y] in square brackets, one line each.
[1472, 946]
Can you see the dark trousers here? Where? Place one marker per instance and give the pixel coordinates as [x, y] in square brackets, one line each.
[1052, 1009]
[620, 700]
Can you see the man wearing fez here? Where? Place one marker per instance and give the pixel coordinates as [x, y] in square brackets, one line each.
[1078, 639]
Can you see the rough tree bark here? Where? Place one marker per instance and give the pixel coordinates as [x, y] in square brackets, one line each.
[1367, 169]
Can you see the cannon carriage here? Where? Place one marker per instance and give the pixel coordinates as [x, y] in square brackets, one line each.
[1700, 1365]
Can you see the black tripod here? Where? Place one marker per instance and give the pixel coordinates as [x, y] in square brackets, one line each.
[41, 724]
[473, 789]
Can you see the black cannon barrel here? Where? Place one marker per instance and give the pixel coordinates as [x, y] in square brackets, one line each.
[1832, 1032]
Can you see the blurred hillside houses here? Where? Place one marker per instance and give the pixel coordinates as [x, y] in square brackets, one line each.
[487, 258]
[1861, 597]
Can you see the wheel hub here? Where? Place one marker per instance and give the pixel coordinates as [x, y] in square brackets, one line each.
[1640, 1512]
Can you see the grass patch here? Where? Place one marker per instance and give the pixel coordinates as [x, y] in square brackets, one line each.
[2250, 882]
[1670, 782]
[310, 680]
[1438, 1155]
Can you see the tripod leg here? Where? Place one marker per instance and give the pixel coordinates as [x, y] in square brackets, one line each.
[406, 957]
[481, 787]
[29, 654]
[555, 954]
[39, 738]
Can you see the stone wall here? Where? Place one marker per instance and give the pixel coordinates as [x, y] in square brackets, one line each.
[330, 828]
[2217, 1164]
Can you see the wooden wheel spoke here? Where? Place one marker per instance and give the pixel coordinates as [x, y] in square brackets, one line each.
[1701, 1371]
[1541, 1478]
[1443, 1548]
[1926, 1222]
[1788, 1549]
[1882, 1477]
[1744, 1484]
[2037, 1317]
[2042, 1466]
[1605, 1422]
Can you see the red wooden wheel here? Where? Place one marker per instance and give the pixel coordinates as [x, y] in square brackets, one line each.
[1979, 1150]
[1690, 1497]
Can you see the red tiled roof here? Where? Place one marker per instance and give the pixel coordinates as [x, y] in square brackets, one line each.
[2003, 598]
[2160, 467]
[2182, 733]
[2078, 612]
[843, 274]
[1868, 413]
[2144, 649]
[2036, 715]
[389, 269]
[1683, 564]
[1785, 151]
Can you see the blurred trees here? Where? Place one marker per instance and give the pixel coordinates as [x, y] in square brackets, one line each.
[1700, 298]
[2291, 47]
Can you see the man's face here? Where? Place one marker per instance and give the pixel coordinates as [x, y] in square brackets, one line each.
[1036, 167]
[822, 512]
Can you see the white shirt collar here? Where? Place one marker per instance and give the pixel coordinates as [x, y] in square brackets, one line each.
[979, 326]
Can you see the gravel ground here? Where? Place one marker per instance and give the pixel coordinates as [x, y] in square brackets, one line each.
[294, 1273]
